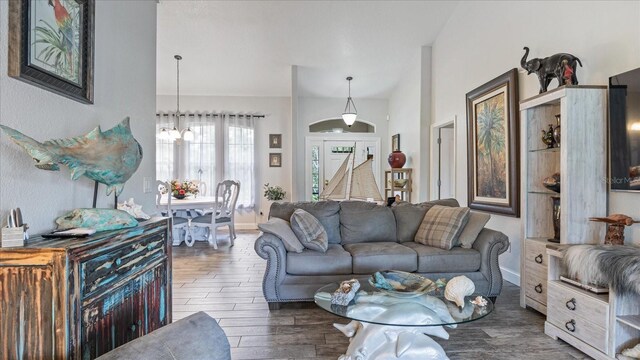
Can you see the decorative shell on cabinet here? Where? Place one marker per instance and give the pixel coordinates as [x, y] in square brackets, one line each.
[457, 288]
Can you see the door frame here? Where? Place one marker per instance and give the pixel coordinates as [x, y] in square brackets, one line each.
[435, 153]
[320, 140]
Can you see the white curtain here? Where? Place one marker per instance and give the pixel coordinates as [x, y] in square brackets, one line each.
[239, 156]
[164, 149]
[200, 154]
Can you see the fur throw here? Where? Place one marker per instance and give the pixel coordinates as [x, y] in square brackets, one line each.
[614, 265]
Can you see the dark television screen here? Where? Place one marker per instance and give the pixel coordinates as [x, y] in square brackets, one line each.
[624, 130]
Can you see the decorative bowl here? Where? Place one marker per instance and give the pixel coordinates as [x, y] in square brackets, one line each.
[401, 284]
[180, 196]
[400, 182]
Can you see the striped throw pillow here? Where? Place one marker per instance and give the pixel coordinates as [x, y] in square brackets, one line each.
[441, 226]
[309, 231]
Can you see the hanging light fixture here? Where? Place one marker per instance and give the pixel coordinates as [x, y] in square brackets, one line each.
[175, 134]
[349, 115]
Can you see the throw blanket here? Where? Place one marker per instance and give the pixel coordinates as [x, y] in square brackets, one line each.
[614, 265]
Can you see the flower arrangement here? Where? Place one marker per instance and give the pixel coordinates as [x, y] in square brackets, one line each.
[180, 190]
[273, 193]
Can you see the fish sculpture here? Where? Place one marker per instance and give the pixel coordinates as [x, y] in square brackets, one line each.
[97, 219]
[108, 157]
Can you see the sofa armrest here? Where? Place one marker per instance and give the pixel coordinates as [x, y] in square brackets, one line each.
[491, 244]
[271, 248]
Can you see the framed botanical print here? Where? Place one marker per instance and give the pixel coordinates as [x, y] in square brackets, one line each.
[275, 141]
[493, 146]
[51, 45]
[275, 160]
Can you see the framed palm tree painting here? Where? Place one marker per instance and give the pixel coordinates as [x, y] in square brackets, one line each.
[51, 45]
[493, 146]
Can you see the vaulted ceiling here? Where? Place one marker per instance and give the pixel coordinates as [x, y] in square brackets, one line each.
[246, 48]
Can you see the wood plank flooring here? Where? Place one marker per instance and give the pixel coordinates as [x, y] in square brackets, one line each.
[226, 284]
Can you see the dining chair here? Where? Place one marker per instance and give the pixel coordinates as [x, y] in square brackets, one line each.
[179, 223]
[223, 214]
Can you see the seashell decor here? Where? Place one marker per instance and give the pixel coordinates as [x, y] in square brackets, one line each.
[457, 288]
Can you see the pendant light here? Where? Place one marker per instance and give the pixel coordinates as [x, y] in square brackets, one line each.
[175, 134]
[349, 115]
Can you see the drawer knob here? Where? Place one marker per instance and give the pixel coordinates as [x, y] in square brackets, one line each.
[132, 327]
[571, 304]
[539, 259]
[570, 325]
[538, 288]
[118, 261]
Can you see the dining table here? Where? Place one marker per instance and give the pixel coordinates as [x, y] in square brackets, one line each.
[189, 203]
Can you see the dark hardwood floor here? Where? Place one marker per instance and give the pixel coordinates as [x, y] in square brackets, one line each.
[226, 283]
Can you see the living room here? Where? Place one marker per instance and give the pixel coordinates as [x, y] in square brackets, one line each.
[282, 67]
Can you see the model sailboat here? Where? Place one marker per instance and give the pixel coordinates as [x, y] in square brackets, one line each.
[353, 182]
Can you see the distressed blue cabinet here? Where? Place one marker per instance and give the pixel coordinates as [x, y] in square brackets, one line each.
[80, 298]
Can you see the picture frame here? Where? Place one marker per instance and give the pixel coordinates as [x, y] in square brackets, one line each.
[395, 142]
[275, 160]
[58, 58]
[275, 141]
[493, 155]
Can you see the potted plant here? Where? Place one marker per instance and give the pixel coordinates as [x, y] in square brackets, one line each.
[274, 193]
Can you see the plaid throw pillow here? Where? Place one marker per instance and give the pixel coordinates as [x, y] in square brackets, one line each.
[309, 231]
[441, 226]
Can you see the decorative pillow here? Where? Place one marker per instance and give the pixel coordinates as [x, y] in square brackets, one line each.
[409, 216]
[475, 224]
[441, 226]
[309, 231]
[282, 229]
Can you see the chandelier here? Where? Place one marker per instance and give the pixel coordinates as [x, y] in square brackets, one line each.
[349, 115]
[175, 134]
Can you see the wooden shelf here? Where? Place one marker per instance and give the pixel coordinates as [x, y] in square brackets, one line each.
[549, 193]
[630, 320]
[391, 190]
[550, 150]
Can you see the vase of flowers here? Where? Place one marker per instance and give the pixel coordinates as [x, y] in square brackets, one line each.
[182, 189]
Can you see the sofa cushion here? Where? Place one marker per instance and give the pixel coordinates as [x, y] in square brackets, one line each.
[309, 231]
[435, 260]
[475, 224]
[376, 256]
[366, 222]
[409, 216]
[327, 212]
[336, 261]
[197, 336]
[282, 229]
[442, 226]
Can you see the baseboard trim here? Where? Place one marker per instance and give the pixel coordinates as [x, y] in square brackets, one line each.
[510, 276]
[247, 226]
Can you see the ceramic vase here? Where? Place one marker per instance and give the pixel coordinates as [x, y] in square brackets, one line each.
[397, 159]
[556, 219]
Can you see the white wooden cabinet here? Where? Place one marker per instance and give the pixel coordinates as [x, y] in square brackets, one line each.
[581, 162]
[600, 325]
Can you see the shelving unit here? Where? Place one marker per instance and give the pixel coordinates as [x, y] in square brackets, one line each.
[581, 161]
[391, 190]
[603, 324]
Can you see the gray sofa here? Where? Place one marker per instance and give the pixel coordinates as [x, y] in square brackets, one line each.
[365, 238]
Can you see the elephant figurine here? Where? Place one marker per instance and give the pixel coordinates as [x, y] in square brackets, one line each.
[560, 66]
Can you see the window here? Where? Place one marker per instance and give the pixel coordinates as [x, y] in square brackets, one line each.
[223, 148]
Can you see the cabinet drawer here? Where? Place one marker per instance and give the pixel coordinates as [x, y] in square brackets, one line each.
[578, 327]
[573, 302]
[536, 253]
[536, 283]
[107, 268]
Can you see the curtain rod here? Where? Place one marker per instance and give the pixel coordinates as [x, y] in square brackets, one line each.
[211, 114]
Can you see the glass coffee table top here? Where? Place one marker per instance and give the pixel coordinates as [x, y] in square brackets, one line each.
[376, 307]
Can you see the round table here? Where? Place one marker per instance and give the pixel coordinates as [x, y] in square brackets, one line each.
[388, 327]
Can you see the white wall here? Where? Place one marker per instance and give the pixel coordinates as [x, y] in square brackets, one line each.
[312, 109]
[277, 121]
[485, 39]
[125, 82]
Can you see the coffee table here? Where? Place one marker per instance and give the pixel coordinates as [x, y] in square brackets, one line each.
[386, 327]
